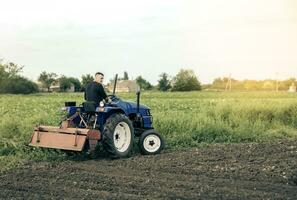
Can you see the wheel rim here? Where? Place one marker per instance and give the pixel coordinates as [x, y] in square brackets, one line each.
[122, 136]
[152, 143]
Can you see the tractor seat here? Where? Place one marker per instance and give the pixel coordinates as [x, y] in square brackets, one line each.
[89, 107]
[89, 115]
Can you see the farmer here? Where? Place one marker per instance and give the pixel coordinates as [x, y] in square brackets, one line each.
[94, 91]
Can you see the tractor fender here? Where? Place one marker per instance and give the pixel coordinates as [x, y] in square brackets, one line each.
[108, 111]
[112, 109]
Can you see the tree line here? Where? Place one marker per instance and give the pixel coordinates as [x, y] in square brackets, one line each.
[12, 82]
[185, 80]
[248, 85]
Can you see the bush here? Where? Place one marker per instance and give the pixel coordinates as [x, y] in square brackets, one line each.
[18, 85]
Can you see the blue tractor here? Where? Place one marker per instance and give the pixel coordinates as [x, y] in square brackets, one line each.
[114, 124]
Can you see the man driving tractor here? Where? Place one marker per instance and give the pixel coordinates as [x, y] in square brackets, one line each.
[94, 91]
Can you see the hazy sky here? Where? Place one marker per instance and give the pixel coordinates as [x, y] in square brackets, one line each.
[253, 39]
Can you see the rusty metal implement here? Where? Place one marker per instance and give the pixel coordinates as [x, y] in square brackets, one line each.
[73, 139]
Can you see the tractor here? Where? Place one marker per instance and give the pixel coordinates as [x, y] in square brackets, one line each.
[114, 125]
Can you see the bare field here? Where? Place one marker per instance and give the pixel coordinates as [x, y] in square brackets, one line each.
[229, 171]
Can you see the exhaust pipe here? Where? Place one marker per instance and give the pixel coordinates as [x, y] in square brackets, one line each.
[138, 99]
[138, 115]
[115, 84]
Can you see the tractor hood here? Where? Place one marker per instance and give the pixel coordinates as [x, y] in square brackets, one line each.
[133, 105]
[130, 107]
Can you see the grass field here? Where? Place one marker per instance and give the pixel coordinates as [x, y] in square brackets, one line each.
[184, 119]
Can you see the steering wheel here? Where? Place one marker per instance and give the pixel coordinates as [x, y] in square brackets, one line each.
[113, 98]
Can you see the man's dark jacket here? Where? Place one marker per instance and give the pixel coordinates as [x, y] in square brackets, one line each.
[95, 92]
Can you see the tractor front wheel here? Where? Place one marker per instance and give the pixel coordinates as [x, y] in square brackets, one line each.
[151, 142]
[118, 135]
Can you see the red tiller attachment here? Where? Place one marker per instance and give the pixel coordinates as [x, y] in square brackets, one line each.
[73, 139]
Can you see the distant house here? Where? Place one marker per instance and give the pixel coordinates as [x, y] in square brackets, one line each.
[56, 88]
[124, 86]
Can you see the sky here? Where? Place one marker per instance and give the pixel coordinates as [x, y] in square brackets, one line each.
[249, 39]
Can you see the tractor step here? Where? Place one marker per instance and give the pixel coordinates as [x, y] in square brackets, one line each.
[73, 139]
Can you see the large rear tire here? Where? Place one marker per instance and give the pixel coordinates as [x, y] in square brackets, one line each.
[118, 136]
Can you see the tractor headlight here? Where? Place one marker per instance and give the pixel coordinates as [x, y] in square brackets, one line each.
[101, 104]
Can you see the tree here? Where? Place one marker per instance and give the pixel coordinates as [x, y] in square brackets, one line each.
[126, 77]
[268, 85]
[164, 82]
[47, 79]
[3, 73]
[251, 85]
[13, 69]
[222, 83]
[285, 84]
[76, 83]
[12, 82]
[186, 80]
[9, 70]
[64, 83]
[144, 84]
[85, 80]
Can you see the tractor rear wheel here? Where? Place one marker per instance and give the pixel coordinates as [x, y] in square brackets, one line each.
[118, 136]
[151, 142]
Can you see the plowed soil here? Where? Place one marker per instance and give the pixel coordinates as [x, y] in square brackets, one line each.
[233, 171]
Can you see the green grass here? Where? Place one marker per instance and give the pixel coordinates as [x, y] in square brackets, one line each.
[186, 119]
